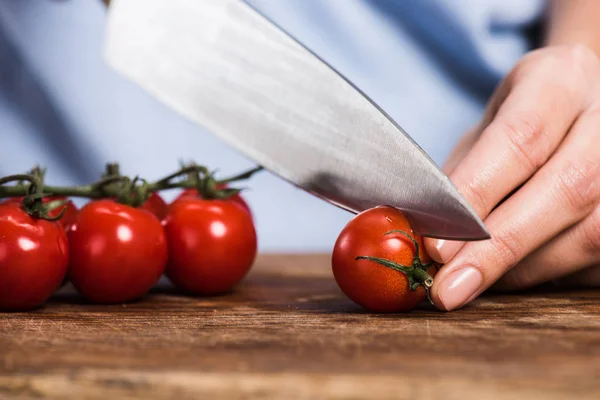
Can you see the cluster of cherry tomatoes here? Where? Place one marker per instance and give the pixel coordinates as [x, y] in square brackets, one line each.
[118, 245]
[115, 253]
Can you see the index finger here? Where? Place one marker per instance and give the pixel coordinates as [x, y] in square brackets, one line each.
[525, 131]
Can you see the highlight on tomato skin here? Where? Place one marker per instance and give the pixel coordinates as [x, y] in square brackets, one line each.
[33, 258]
[383, 233]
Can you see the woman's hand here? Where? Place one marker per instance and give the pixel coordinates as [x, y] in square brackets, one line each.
[531, 170]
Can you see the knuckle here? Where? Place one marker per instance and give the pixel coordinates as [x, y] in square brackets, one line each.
[507, 248]
[528, 139]
[576, 64]
[542, 61]
[583, 65]
[532, 63]
[579, 184]
[582, 59]
[593, 111]
[591, 232]
[516, 279]
[475, 191]
[574, 59]
[530, 60]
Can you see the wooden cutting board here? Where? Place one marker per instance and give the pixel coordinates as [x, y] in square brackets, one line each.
[288, 333]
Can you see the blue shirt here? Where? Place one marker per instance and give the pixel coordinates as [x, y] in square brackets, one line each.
[430, 64]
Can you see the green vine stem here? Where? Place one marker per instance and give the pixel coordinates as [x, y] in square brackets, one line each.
[113, 185]
[33, 195]
[183, 171]
[416, 273]
[209, 187]
[243, 176]
[35, 182]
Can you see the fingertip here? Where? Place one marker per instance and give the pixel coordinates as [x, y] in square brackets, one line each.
[435, 298]
[442, 251]
[431, 247]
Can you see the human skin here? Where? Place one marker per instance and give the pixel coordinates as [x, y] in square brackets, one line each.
[531, 170]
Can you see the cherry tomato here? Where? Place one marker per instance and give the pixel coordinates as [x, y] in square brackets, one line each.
[371, 285]
[68, 218]
[117, 252]
[212, 244]
[156, 205]
[34, 254]
[236, 197]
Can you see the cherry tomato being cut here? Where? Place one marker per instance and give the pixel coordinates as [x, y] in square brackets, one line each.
[237, 198]
[34, 255]
[117, 252]
[385, 234]
[68, 218]
[212, 244]
[156, 205]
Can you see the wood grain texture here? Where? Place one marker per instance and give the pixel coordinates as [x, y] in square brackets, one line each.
[288, 333]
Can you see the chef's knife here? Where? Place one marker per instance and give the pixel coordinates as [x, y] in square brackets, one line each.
[224, 66]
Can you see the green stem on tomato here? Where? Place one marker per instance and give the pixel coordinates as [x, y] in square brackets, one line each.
[193, 168]
[45, 209]
[416, 273]
[33, 196]
[112, 169]
[416, 276]
[416, 259]
[212, 189]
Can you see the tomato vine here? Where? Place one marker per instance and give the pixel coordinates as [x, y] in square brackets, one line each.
[126, 190]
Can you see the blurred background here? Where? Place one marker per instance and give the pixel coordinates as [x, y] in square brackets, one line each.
[430, 64]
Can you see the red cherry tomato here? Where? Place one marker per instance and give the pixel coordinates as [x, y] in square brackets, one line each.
[369, 284]
[212, 244]
[236, 197]
[156, 205]
[34, 255]
[117, 252]
[68, 218]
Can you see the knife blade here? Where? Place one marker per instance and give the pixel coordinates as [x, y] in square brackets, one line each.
[227, 68]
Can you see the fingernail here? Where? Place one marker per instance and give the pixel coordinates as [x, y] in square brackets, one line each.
[432, 247]
[442, 251]
[458, 287]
